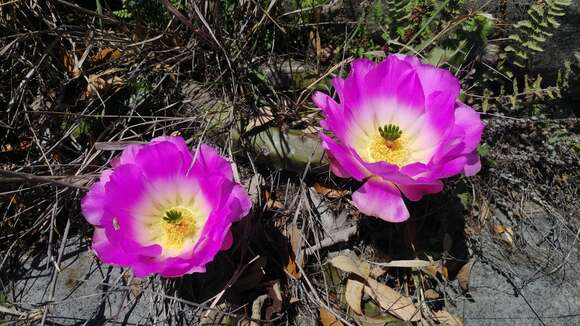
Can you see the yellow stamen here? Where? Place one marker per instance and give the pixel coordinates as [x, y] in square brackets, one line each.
[177, 232]
[391, 151]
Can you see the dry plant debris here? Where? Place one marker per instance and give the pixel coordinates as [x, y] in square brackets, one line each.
[79, 82]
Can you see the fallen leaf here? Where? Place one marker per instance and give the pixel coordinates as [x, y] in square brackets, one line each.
[505, 232]
[101, 85]
[314, 37]
[103, 81]
[376, 271]
[411, 263]
[23, 146]
[71, 65]
[431, 294]
[378, 321]
[312, 130]
[292, 268]
[464, 274]
[447, 319]
[499, 228]
[392, 301]
[271, 203]
[295, 257]
[295, 239]
[327, 318]
[351, 264]
[353, 295]
[274, 204]
[484, 210]
[107, 54]
[437, 268]
[329, 192]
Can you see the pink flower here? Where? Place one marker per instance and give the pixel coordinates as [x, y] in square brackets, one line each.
[159, 211]
[399, 128]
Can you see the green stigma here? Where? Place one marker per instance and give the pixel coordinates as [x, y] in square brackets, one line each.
[172, 216]
[390, 132]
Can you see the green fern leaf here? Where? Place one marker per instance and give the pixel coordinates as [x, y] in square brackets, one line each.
[533, 46]
[515, 37]
[538, 38]
[524, 24]
[554, 24]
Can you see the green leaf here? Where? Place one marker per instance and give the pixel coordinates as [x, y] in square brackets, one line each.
[515, 37]
[533, 46]
[483, 150]
[538, 38]
[553, 22]
[524, 24]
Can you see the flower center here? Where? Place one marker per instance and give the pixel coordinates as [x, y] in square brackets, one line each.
[178, 226]
[389, 145]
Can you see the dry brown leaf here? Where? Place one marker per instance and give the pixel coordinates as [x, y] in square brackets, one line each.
[314, 37]
[101, 85]
[431, 294]
[351, 264]
[411, 263]
[353, 295]
[23, 146]
[71, 65]
[327, 318]
[296, 244]
[295, 239]
[373, 321]
[435, 268]
[376, 271]
[505, 232]
[464, 274]
[328, 192]
[274, 204]
[107, 54]
[292, 269]
[499, 228]
[484, 210]
[392, 301]
[312, 130]
[271, 203]
[447, 319]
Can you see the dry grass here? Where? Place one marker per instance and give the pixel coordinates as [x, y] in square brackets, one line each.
[77, 85]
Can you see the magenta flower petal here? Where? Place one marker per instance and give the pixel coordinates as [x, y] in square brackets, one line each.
[398, 123]
[127, 156]
[209, 162]
[106, 251]
[344, 162]
[228, 242]
[433, 79]
[381, 199]
[163, 159]
[335, 120]
[93, 203]
[473, 164]
[468, 124]
[158, 211]
[240, 195]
